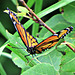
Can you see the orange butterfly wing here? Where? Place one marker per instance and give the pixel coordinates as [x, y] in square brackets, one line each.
[52, 40]
[28, 40]
[47, 43]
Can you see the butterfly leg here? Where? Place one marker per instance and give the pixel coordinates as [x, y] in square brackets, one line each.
[34, 55]
[37, 57]
[26, 57]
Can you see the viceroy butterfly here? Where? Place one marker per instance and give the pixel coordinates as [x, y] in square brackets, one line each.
[33, 47]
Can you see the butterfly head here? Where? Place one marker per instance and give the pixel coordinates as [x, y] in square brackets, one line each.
[31, 50]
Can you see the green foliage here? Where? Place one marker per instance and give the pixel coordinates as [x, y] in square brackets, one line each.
[69, 12]
[49, 62]
[41, 69]
[37, 10]
[68, 62]
[2, 72]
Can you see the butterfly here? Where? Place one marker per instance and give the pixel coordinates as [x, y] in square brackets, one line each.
[33, 47]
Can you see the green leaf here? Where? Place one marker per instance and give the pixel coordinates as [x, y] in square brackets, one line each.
[69, 12]
[3, 30]
[22, 9]
[18, 61]
[5, 22]
[2, 71]
[68, 62]
[66, 73]
[53, 58]
[54, 7]
[36, 10]
[30, 3]
[15, 2]
[41, 69]
[2, 48]
[57, 23]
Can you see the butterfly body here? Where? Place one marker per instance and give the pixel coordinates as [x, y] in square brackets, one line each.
[33, 47]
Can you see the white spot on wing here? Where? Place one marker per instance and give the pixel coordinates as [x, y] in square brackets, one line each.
[68, 29]
[10, 16]
[55, 34]
[14, 22]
